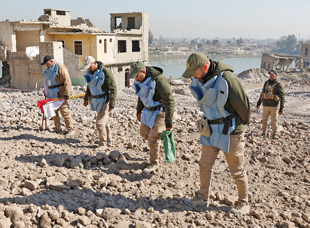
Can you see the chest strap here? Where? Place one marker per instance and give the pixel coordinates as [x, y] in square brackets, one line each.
[227, 121]
[55, 86]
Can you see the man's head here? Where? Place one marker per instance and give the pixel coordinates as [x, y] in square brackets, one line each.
[137, 71]
[273, 75]
[48, 61]
[197, 66]
[89, 64]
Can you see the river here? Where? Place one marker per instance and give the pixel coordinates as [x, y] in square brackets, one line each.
[176, 67]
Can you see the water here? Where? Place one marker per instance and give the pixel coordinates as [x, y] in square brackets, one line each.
[176, 67]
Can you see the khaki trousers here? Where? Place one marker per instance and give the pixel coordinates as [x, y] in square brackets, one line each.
[152, 135]
[272, 111]
[103, 125]
[235, 161]
[66, 114]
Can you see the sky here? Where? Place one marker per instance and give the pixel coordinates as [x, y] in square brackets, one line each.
[253, 19]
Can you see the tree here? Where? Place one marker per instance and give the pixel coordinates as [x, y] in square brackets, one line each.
[193, 43]
[160, 42]
[151, 37]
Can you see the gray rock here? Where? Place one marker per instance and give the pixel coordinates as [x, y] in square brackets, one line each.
[122, 224]
[33, 185]
[14, 213]
[115, 154]
[60, 159]
[59, 187]
[21, 200]
[74, 183]
[231, 200]
[127, 156]
[107, 161]
[76, 162]
[287, 160]
[101, 156]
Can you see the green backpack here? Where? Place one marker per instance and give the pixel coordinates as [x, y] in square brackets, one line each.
[169, 146]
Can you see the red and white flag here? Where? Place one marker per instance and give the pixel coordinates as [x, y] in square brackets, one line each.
[48, 107]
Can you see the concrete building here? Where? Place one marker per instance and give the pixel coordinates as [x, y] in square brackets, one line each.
[305, 54]
[23, 45]
[280, 62]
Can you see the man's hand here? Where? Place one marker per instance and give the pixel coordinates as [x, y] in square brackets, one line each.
[85, 103]
[110, 109]
[281, 111]
[139, 116]
[66, 97]
[168, 127]
[257, 107]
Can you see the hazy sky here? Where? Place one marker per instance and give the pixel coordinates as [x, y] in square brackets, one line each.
[184, 19]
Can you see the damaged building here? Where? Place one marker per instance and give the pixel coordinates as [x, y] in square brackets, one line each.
[283, 62]
[23, 45]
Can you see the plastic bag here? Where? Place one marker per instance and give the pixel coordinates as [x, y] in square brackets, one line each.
[169, 146]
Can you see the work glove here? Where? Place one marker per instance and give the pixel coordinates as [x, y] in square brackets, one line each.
[281, 111]
[139, 116]
[110, 109]
[66, 97]
[168, 127]
[85, 103]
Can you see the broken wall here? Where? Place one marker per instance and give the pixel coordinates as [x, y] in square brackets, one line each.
[7, 36]
[27, 39]
[74, 65]
[267, 62]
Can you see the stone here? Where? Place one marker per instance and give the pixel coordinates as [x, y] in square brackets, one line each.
[53, 214]
[33, 185]
[26, 192]
[231, 200]
[5, 223]
[3, 182]
[43, 163]
[107, 161]
[219, 196]
[306, 217]
[122, 224]
[101, 156]
[74, 183]
[287, 160]
[210, 215]
[81, 211]
[99, 212]
[127, 211]
[258, 214]
[15, 213]
[19, 224]
[115, 154]
[60, 159]
[59, 187]
[142, 224]
[45, 221]
[85, 220]
[287, 215]
[110, 213]
[77, 162]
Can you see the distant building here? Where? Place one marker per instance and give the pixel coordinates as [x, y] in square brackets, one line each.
[305, 54]
[23, 45]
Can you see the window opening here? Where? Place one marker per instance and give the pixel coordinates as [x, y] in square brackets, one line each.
[135, 46]
[121, 46]
[78, 47]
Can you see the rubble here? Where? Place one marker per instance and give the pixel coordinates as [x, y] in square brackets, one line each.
[50, 180]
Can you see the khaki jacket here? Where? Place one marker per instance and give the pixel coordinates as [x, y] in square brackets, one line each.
[63, 77]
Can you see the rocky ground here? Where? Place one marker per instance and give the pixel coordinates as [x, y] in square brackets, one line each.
[51, 180]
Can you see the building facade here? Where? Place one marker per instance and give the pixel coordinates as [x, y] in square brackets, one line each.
[23, 45]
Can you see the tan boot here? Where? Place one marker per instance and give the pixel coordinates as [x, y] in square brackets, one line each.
[241, 208]
[151, 168]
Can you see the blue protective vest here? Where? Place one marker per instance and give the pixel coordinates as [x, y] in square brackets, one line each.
[146, 91]
[49, 76]
[212, 97]
[94, 83]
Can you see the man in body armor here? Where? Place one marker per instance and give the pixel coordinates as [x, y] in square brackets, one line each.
[272, 94]
[226, 109]
[57, 84]
[155, 106]
[101, 92]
